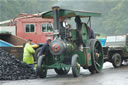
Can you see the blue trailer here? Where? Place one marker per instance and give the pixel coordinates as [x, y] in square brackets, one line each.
[5, 44]
[102, 42]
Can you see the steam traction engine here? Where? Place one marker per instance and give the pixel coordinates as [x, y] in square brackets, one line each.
[71, 48]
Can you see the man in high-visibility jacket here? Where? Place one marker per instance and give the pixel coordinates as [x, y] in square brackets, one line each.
[28, 54]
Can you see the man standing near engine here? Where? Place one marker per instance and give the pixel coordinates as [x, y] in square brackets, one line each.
[28, 54]
[45, 49]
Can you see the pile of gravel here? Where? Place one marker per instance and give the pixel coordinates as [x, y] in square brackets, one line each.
[13, 69]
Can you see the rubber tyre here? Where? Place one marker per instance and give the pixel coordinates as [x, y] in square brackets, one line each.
[41, 72]
[62, 71]
[116, 60]
[75, 68]
[36, 55]
[96, 68]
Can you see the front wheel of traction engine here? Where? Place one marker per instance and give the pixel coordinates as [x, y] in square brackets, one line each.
[96, 56]
[36, 55]
[41, 72]
[116, 60]
[75, 66]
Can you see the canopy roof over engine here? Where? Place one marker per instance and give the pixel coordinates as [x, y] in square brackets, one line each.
[66, 13]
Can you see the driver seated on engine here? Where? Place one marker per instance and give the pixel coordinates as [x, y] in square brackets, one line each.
[64, 28]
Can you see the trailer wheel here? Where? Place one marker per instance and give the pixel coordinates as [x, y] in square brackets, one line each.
[62, 71]
[75, 66]
[36, 55]
[97, 56]
[116, 60]
[41, 71]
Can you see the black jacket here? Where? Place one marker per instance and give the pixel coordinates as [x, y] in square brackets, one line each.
[44, 49]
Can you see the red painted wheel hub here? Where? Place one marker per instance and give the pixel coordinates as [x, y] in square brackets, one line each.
[55, 47]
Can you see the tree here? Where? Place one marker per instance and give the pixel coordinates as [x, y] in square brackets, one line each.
[11, 8]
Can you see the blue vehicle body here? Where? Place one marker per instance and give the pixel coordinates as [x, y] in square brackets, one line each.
[5, 44]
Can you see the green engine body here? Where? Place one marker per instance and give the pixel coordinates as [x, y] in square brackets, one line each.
[71, 47]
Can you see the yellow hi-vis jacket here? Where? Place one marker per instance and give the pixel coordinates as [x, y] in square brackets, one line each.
[28, 54]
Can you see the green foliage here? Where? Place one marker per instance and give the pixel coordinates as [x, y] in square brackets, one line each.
[116, 20]
[114, 12]
[11, 8]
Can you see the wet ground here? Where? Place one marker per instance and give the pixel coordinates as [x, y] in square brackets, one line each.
[109, 76]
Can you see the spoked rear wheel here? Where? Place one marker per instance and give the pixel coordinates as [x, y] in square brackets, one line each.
[75, 66]
[97, 56]
[41, 71]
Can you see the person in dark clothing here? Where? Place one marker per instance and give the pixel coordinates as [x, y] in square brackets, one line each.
[79, 26]
[78, 30]
[45, 48]
[91, 33]
[78, 22]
